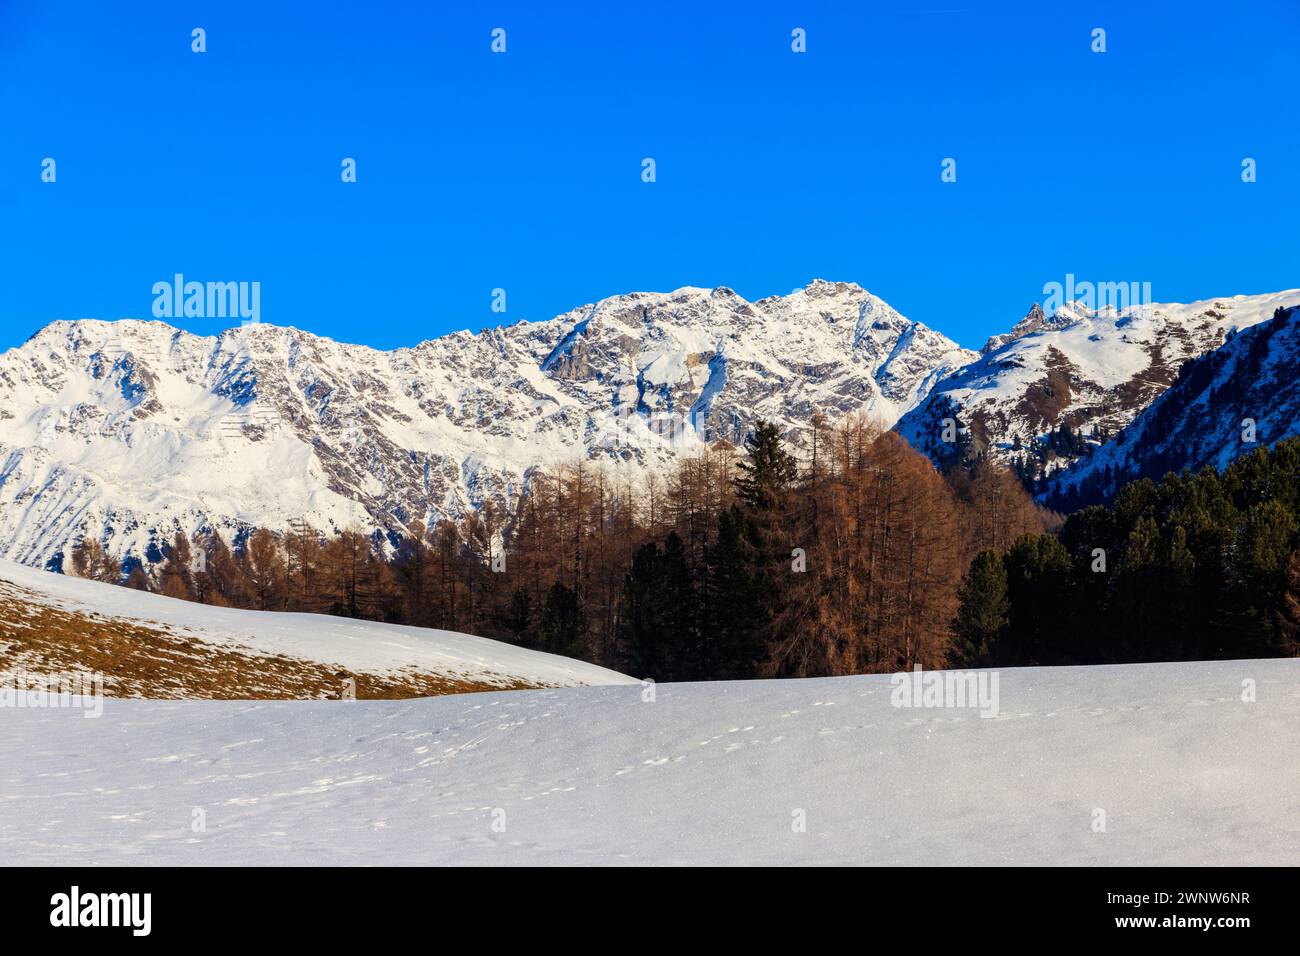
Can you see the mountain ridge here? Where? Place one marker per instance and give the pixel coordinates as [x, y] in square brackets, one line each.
[133, 430]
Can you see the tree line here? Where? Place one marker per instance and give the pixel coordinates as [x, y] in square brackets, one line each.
[1199, 566]
[845, 557]
[854, 556]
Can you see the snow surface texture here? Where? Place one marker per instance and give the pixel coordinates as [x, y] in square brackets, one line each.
[359, 646]
[1090, 369]
[1184, 770]
[130, 431]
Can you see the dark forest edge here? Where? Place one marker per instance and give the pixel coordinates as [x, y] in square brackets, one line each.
[857, 557]
[1200, 566]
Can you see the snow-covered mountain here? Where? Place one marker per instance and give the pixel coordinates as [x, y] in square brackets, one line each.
[1090, 370]
[1178, 768]
[1242, 396]
[133, 430]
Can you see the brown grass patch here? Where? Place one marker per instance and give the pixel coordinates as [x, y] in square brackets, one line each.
[139, 660]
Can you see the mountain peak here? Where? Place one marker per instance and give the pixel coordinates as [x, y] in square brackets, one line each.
[1032, 322]
[828, 287]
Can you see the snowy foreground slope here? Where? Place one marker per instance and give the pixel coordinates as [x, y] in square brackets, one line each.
[56, 623]
[1184, 770]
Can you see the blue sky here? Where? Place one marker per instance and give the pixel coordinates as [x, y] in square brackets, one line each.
[523, 171]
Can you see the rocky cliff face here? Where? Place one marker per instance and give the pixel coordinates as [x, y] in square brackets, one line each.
[1089, 371]
[1242, 396]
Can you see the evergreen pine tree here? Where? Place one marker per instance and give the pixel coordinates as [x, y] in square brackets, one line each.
[656, 621]
[517, 615]
[768, 472]
[1038, 572]
[736, 607]
[982, 613]
[563, 623]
